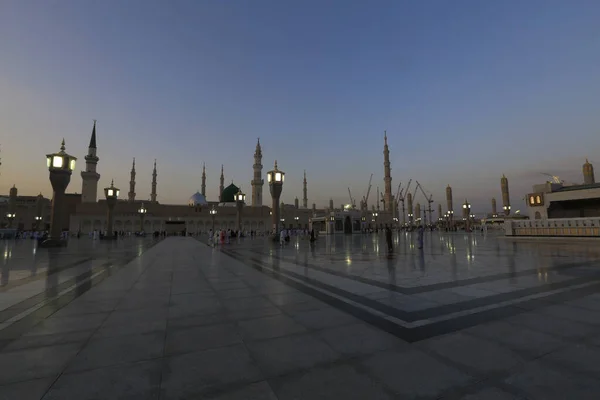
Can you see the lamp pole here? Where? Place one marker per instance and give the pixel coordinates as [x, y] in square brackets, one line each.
[275, 179]
[467, 215]
[38, 221]
[297, 218]
[61, 166]
[112, 194]
[10, 216]
[142, 212]
[240, 198]
[213, 213]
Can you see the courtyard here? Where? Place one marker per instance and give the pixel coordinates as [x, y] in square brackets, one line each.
[466, 317]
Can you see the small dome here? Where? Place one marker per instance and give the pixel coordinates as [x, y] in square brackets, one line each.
[228, 195]
[197, 199]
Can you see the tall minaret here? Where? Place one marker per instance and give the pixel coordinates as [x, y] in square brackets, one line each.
[153, 194]
[417, 211]
[505, 195]
[89, 177]
[493, 206]
[257, 181]
[409, 207]
[296, 203]
[131, 193]
[222, 185]
[387, 197]
[449, 205]
[440, 215]
[331, 205]
[588, 173]
[203, 180]
[305, 193]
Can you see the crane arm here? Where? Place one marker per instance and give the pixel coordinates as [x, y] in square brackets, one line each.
[369, 189]
[429, 199]
[406, 189]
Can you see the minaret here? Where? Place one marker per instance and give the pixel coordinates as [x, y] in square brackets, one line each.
[305, 193]
[440, 215]
[222, 185]
[417, 211]
[89, 177]
[588, 173]
[330, 204]
[296, 203]
[131, 194]
[505, 195]
[203, 188]
[257, 181]
[12, 199]
[387, 197]
[449, 205]
[314, 207]
[493, 207]
[153, 194]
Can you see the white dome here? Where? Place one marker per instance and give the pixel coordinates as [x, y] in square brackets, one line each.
[197, 199]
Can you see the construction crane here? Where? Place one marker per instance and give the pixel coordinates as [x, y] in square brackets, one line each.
[402, 197]
[429, 200]
[395, 201]
[366, 198]
[352, 201]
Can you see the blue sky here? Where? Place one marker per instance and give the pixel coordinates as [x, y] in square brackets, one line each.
[467, 91]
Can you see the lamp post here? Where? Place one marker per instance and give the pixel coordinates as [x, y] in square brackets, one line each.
[112, 194]
[10, 216]
[375, 215]
[466, 215]
[275, 178]
[450, 219]
[213, 213]
[240, 198]
[38, 221]
[297, 218]
[506, 210]
[142, 212]
[61, 166]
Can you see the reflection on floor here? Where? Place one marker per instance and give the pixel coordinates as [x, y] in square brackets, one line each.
[469, 316]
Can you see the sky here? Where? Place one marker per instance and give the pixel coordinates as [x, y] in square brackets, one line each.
[467, 90]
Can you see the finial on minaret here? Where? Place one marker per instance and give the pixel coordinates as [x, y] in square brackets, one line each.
[62, 145]
[221, 169]
[112, 182]
[385, 137]
[133, 165]
[275, 165]
[93, 138]
[155, 163]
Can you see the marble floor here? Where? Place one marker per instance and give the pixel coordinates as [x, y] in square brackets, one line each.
[466, 317]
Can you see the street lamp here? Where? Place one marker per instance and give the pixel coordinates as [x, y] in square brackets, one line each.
[61, 166]
[10, 216]
[112, 194]
[38, 221]
[142, 212]
[275, 178]
[297, 218]
[466, 214]
[240, 198]
[213, 213]
[506, 210]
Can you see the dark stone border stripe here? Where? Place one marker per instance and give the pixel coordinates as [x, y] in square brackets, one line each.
[427, 331]
[435, 286]
[33, 278]
[413, 316]
[16, 330]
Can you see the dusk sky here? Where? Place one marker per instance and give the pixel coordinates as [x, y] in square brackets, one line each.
[467, 91]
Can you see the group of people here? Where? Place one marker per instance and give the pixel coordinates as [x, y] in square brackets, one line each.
[389, 241]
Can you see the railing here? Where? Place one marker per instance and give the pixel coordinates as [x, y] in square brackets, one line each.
[574, 227]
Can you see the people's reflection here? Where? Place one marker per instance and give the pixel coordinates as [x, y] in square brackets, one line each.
[512, 264]
[83, 281]
[391, 266]
[421, 259]
[454, 265]
[52, 273]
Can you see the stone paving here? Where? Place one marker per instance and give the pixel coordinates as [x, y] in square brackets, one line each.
[467, 317]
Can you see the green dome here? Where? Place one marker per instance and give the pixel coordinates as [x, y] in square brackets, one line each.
[228, 195]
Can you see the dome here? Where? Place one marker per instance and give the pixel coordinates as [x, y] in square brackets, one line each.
[228, 195]
[197, 199]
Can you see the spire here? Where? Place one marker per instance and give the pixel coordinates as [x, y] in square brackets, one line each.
[62, 145]
[153, 194]
[93, 138]
[222, 184]
[304, 192]
[257, 180]
[385, 137]
[131, 194]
